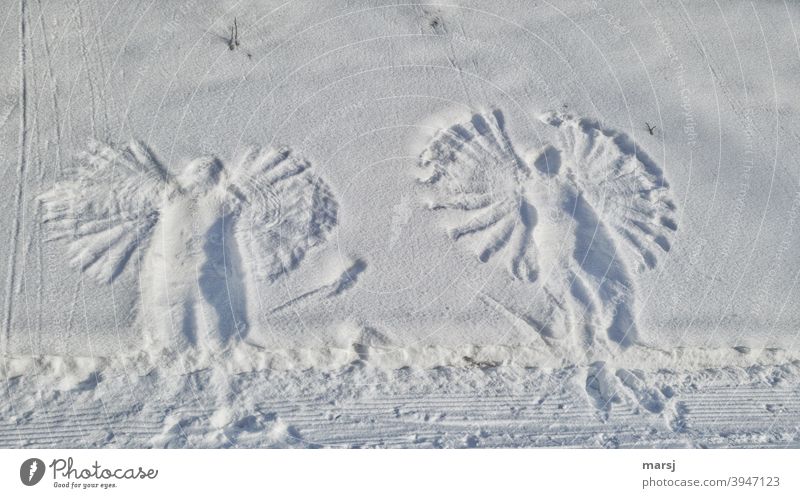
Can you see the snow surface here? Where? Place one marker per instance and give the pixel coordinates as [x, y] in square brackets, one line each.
[392, 224]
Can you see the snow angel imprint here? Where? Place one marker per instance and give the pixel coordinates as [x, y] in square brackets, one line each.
[199, 239]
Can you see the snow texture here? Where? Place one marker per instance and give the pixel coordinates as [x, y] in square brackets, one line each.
[399, 225]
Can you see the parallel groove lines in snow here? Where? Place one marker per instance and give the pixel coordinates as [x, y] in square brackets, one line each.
[448, 420]
[501, 407]
[21, 164]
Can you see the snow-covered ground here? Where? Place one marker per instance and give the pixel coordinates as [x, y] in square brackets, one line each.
[391, 224]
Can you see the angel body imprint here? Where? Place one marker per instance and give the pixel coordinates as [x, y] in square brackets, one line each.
[576, 222]
[199, 240]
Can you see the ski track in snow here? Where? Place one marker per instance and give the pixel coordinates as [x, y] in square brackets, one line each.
[21, 171]
[358, 406]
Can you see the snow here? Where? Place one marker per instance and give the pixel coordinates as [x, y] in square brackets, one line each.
[390, 224]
